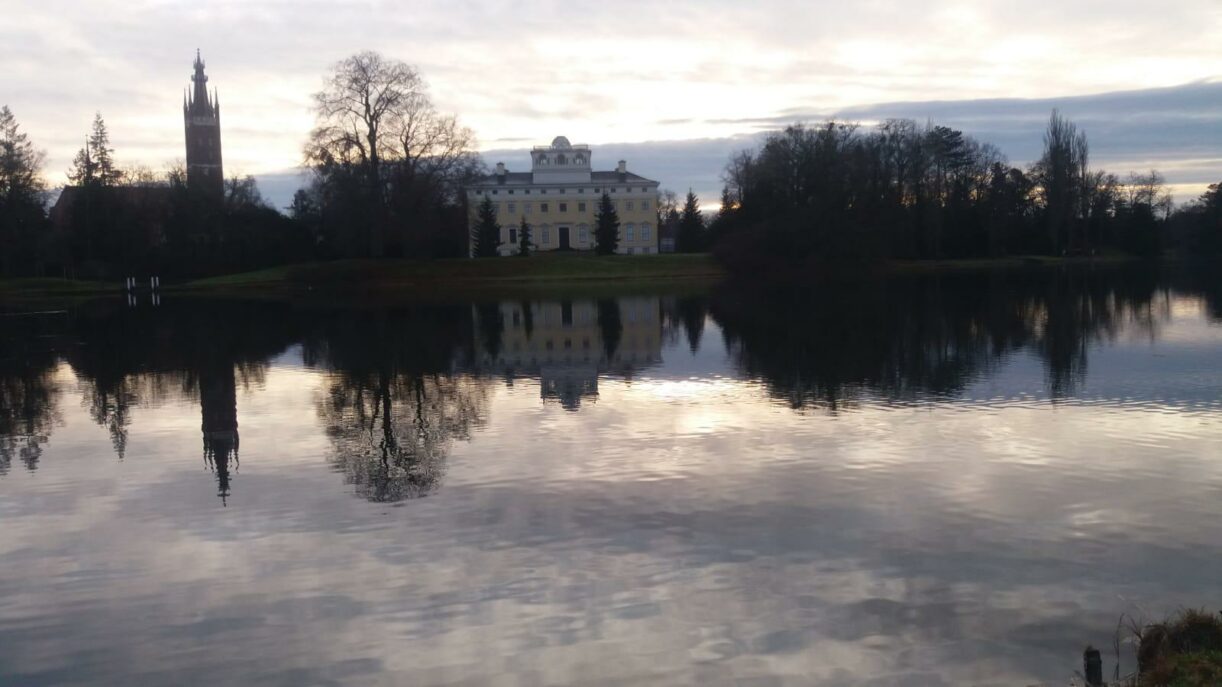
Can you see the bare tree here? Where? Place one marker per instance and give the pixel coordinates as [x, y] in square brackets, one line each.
[1063, 179]
[375, 118]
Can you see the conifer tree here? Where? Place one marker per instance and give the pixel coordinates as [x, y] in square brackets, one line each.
[691, 226]
[84, 172]
[524, 244]
[487, 236]
[606, 227]
[21, 212]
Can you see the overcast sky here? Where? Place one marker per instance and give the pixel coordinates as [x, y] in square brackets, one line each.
[711, 74]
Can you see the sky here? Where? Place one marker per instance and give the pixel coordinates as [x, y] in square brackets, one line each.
[672, 87]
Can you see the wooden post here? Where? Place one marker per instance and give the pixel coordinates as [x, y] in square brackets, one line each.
[1092, 663]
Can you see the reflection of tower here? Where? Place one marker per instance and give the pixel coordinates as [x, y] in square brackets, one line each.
[219, 405]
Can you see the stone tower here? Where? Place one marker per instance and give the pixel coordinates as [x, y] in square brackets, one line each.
[201, 114]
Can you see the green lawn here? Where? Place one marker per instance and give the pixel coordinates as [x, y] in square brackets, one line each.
[37, 287]
[539, 269]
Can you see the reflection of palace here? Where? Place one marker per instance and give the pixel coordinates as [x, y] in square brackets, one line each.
[219, 408]
[567, 344]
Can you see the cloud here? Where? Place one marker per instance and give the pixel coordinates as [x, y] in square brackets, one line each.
[691, 70]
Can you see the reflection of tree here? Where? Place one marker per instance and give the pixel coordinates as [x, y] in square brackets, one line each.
[610, 324]
[394, 404]
[28, 398]
[110, 407]
[491, 326]
[29, 394]
[693, 311]
[909, 336]
[391, 433]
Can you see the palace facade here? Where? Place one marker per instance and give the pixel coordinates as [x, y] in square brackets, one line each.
[558, 198]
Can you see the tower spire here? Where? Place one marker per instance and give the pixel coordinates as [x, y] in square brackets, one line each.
[203, 133]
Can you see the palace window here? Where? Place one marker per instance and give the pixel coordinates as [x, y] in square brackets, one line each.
[547, 235]
[630, 232]
[564, 207]
[542, 207]
[630, 205]
[561, 160]
[526, 208]
[513, 208]
[581, 207]
[644, 205]
[513, 238]
[644, 232]
[583, 233]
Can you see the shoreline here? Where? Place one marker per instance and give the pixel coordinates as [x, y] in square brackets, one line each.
[539, 273]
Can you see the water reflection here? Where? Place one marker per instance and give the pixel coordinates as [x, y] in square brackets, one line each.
[407, 381]
[930, 480]
[568, 344]
[906, 338]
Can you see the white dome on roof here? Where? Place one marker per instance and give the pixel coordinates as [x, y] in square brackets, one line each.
[561, 142]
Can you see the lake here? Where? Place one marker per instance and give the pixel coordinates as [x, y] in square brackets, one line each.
[925, 480]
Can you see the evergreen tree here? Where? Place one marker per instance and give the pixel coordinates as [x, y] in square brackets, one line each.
[524, 244]
[84, 172]
[606, 227]
[21, 190]
[724, 216]
[102, 154]
[691, 226]
[487, 232]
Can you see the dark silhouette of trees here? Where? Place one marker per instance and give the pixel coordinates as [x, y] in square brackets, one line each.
[1197, 228]
[606, 227]
[836, 193]
[94, 163]
[692, 238]
[486, 238]
[388, 168]
[911, 337]
[610, 324]
[22, 225]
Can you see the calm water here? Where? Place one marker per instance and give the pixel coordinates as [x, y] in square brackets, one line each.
[933, 481]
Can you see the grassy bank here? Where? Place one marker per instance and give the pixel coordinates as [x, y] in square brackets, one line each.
[53, 289]
[554, 270]
[1183, 651]
[573, 273]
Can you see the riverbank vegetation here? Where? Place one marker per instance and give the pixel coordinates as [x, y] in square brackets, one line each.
[837, 192]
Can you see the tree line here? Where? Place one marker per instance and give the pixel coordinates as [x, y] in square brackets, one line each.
[840, 192]
[387, 168]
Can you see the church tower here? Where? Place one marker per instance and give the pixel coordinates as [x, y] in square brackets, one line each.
[202, 117]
